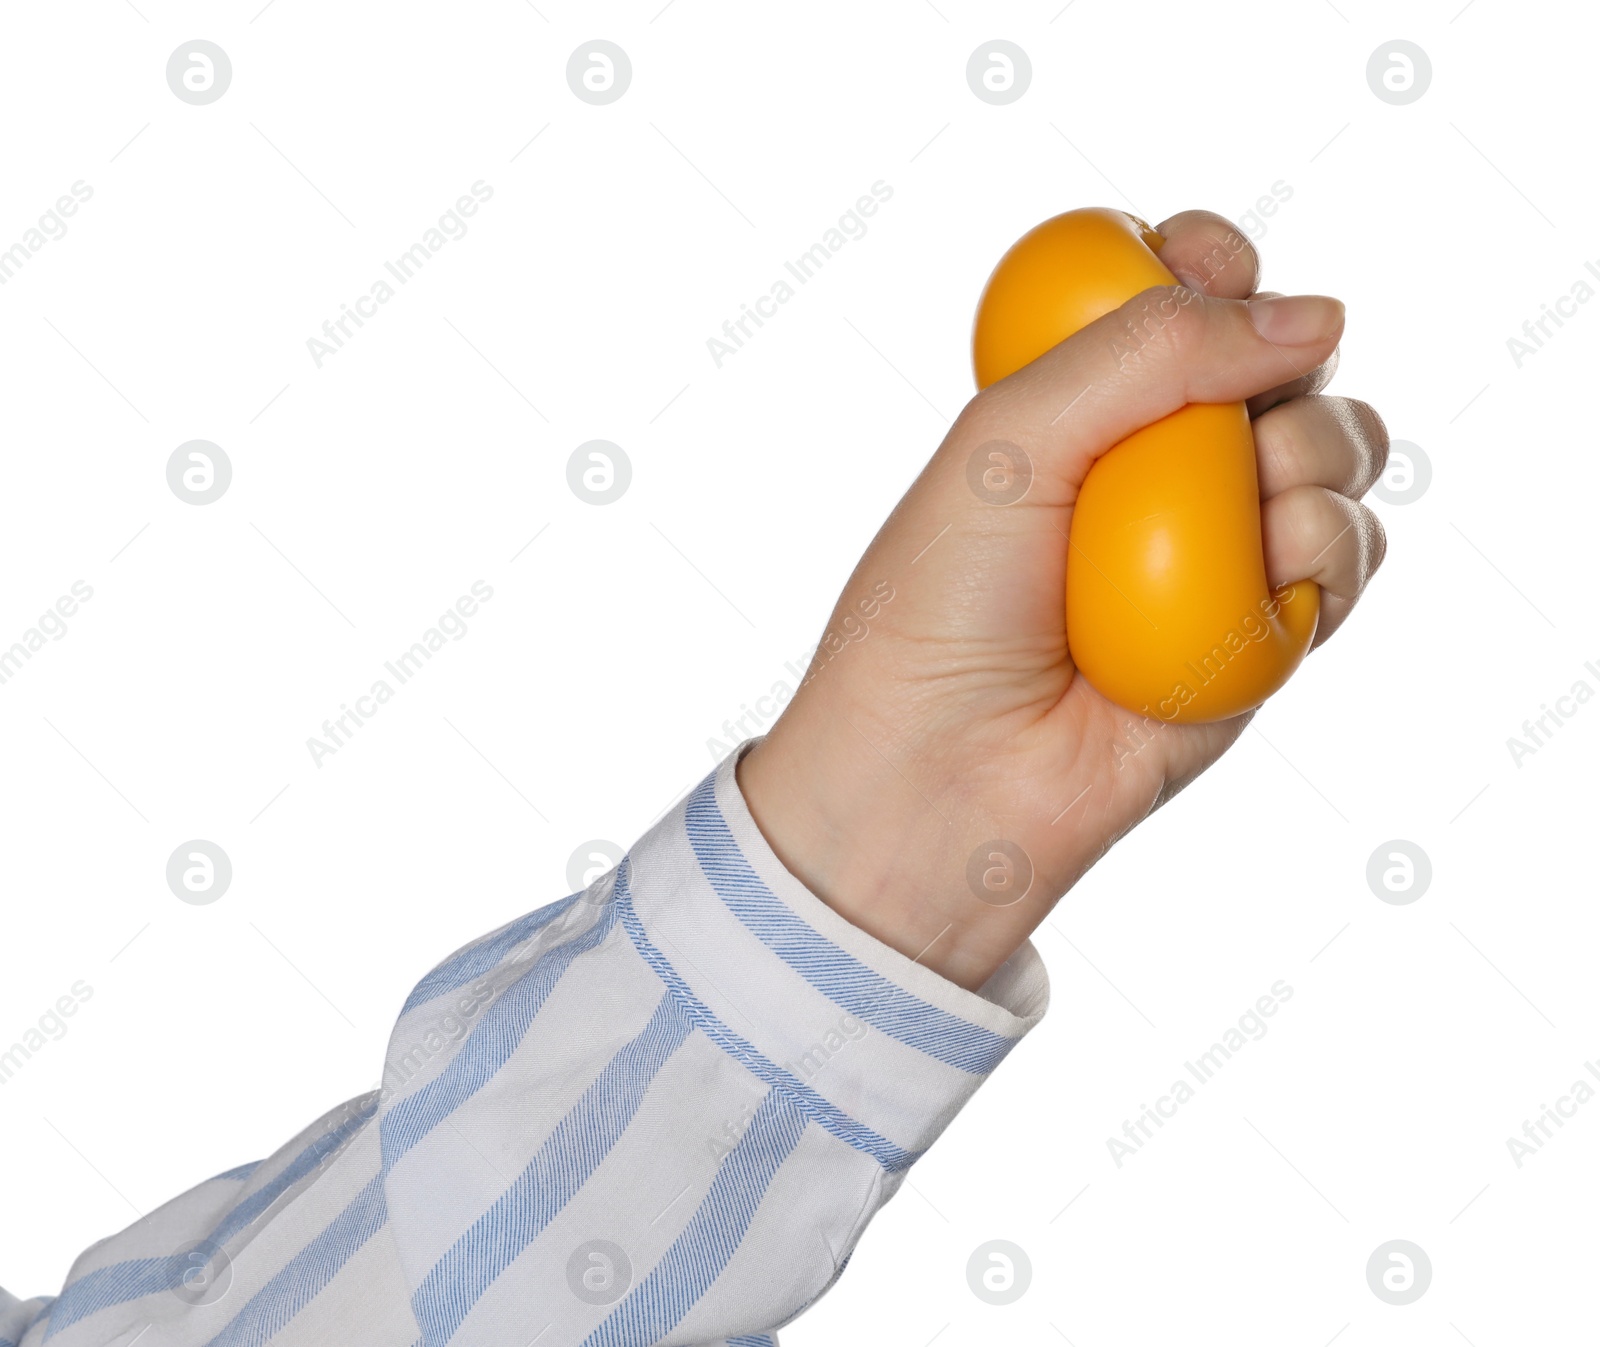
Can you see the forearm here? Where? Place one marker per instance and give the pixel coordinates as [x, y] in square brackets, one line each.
[662, 1110]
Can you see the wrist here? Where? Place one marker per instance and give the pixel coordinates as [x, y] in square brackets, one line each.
[900, 856]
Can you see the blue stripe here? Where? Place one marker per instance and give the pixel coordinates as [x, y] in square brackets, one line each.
[477, 959]
[132, 1280]
[562, 1165]
[821, 1111]
[107, 1286]
[756, 1340]
[486, 1049]
[290, 1290]
[697, 1257]
[839, 976]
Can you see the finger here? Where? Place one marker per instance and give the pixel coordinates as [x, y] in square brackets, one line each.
[1207, 252]
[1165, 347]
[1313, 533]
[1314, 381]
[1334, 442]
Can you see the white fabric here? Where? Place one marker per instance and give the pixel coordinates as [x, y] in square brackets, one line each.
[660, 1111]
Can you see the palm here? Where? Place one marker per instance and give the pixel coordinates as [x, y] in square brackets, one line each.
[1032, 747]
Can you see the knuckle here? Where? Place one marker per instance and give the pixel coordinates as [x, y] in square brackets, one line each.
[1376, 543]
[994, 423]
[990, 415]
[1374, 435]
[1322, 376]
[1371, 423]
[1363, 438]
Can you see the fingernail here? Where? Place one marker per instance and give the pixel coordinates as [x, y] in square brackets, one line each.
[1296, 320]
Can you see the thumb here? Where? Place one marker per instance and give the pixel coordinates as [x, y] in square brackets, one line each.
[1165, 347]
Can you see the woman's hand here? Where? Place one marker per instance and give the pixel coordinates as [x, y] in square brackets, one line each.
[947, 777]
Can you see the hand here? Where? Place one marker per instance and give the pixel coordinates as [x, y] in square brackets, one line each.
[951, 715]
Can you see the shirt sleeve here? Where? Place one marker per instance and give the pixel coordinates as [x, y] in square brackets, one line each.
[661, 1110]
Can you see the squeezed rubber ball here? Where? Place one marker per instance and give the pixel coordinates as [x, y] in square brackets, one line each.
[1168, 609]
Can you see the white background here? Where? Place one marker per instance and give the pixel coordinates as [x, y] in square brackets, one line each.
[369, 494]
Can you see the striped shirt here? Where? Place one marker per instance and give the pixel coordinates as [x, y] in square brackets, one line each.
[661, 1110]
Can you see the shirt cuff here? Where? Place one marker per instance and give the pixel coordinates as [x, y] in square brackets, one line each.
[881, 1049]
